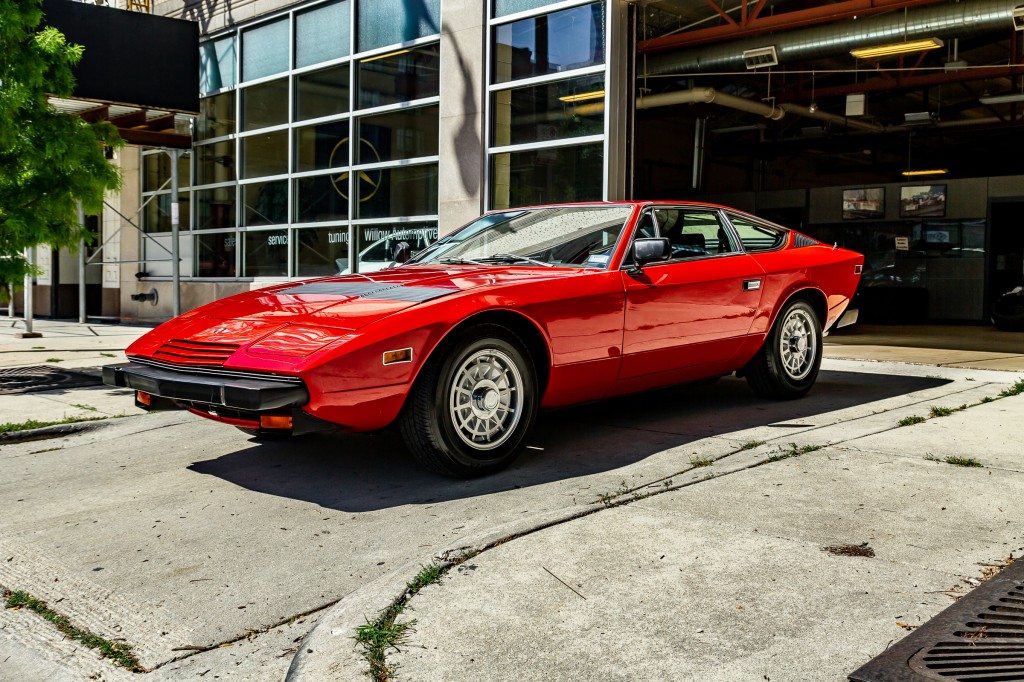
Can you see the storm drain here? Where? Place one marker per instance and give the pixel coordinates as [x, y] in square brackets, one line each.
[978, 639]
[43, 378]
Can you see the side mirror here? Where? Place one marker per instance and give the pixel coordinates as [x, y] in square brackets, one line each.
[651, 250]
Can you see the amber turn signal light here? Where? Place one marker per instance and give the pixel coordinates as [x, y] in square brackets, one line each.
[144, 398]
[394, 356]
[275, 421]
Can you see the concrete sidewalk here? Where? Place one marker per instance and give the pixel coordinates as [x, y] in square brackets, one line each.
[720, 572]
[67, 345]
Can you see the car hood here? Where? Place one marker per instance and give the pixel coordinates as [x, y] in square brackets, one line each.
[353, 301]
[316, 311]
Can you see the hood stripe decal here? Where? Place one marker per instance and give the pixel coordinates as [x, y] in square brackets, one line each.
[383, 292]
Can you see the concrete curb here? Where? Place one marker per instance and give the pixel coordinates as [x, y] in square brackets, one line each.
[322, 655]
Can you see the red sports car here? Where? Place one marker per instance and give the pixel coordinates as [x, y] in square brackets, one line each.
[521, 309]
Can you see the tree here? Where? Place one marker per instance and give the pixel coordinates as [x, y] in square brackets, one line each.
[49, 161]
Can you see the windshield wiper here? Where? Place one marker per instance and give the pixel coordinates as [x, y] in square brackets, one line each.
[513, 258]
[460, 261]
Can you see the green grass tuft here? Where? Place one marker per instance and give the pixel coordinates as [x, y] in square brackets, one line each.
[119, 653]
[702, 462]
[382, 634]
[750, 445]
[54, 360]
[1016, 389]
[909, 421]
[963, 461]
[936, 411]
[8, 427]
[793, 451]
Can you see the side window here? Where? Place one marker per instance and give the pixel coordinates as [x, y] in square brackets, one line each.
[757, 236]
[694, 233]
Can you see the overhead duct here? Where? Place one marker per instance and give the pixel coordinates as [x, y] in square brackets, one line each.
[955, 20]
[710, 96]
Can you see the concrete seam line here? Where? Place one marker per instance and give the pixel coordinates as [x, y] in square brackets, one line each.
[46, 432]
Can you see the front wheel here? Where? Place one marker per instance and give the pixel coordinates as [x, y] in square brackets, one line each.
[787, 364]
[471, 408]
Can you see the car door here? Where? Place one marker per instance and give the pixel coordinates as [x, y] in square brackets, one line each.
[695, 308]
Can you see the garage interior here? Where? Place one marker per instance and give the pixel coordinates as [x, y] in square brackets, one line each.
[892, 128]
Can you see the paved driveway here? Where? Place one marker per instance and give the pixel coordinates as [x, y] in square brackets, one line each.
[175, 534]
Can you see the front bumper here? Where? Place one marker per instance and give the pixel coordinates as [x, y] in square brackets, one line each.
[250, 393]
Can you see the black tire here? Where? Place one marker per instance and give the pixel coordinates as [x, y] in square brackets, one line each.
[786, 365]
[472, 405]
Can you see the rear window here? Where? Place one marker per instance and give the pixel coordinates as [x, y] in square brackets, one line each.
[757, 236]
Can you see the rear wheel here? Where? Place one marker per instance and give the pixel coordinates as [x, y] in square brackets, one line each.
[473, 405]
[787, 364]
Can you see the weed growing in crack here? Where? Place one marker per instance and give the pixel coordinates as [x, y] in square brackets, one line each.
[936, 411]
[963, 461]
[750, 445]
[702, 462]
[1016, 389]
[793, 451]
[910, 421]
[383, 633]
[119, 653]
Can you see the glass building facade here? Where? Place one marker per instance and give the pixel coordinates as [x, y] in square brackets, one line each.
[318, 145]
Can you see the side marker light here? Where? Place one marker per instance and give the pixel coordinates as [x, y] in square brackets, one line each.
[144, 398]
[392, 357]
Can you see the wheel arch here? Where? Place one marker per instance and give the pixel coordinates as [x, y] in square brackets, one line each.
[812, 295]
[522, 326]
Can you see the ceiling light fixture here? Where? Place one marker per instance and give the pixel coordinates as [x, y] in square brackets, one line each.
[583, 96]
[896, 48]
[934, 171]
[1002, 99]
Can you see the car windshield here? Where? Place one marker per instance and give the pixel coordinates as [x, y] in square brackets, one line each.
[564, 236]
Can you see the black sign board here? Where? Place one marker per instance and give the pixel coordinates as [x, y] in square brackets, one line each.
[131, 58]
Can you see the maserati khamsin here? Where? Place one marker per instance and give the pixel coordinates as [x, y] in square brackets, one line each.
[460, 344]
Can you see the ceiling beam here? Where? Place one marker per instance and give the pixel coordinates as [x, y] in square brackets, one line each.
[756, 24]
[129, 120]
[93, 115]
[151, 138]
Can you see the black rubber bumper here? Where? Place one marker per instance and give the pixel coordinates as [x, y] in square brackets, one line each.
[236, 392]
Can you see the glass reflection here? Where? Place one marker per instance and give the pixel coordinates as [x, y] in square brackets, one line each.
[550, 111]
[402, 191]
[215, 208]
[321, 251]
[266, 253]
[399, 76]
[322, 93]
[322, 197]
[402, 134]
[547, 176]
[215, 255]
[570, 39]
[265, 203]
[265, 104]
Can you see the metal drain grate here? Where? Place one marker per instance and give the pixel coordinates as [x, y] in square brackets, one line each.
[978, 639]
[43, 378]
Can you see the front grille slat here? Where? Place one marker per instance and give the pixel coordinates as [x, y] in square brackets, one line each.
[184, 352]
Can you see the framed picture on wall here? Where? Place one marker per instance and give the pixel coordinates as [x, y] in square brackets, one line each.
[859, 204]
[923, 201]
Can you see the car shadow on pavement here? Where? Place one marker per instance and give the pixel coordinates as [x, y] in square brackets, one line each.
[368, 472]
